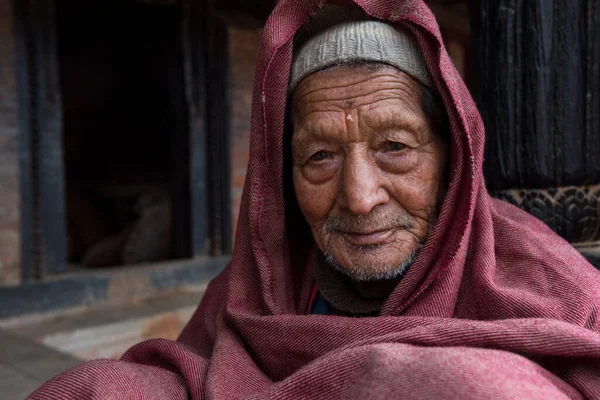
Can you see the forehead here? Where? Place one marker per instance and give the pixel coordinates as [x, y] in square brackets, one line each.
[349, 87]
[378, 96]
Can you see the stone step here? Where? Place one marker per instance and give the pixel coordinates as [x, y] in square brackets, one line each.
[25, 365]
[109, 332]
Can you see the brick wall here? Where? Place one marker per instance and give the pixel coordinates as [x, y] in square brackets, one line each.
[9, 161]
[243, 52]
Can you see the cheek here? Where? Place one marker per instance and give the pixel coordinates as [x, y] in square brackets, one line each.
[417, 191]
[315, 200]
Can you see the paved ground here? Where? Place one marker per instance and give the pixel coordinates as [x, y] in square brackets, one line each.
[25, 365]
[33, 353]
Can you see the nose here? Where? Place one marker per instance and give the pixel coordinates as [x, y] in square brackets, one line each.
[361, 184]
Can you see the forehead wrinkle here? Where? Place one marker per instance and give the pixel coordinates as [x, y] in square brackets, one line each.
[352, 72]
[345, 97]
[406, 95]
[382, 77]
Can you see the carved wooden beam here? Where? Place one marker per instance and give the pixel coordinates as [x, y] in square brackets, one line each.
[536, 82]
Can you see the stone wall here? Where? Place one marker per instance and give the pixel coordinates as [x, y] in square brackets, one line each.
[9, 160]
[243, 52]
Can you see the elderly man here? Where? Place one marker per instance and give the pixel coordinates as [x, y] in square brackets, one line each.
[368, 152]
[370, 261]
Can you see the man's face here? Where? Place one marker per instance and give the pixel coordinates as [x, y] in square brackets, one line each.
[367, 168]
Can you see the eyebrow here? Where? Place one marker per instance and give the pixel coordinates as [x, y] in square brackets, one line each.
[319, 128]
[412, 123]
[303, 145]
[305, 139]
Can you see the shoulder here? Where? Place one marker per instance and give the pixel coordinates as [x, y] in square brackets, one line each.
[536, 273]
[518, 232]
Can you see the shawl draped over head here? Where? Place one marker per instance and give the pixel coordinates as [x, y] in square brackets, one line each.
[495, 306]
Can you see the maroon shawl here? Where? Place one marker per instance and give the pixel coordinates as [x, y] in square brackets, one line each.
[495, 306]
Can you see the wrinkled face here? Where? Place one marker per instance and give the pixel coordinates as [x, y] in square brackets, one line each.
[367, 168]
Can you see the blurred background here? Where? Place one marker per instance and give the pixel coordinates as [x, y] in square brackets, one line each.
[124, 134]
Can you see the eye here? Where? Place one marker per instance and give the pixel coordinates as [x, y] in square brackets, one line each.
[394, 146]
[320, 155]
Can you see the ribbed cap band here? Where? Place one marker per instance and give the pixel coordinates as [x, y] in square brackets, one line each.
[359, 41]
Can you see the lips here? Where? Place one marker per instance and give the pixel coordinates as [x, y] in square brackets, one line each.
[368, 238]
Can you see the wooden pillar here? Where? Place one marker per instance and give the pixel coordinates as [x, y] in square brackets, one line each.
[535, 72]
[205, 77]
[43, 229]
[10, 194]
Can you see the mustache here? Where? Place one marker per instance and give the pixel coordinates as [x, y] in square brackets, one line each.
[371, 222]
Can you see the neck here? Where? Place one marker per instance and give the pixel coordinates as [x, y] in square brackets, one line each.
[350, 296]
[373, 289]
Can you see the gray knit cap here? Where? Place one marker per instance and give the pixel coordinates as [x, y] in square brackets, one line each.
[337, 35]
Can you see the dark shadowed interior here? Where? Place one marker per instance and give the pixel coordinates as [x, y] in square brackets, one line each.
[115, 70]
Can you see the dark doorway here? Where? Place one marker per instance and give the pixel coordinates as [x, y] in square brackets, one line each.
[118, 66]
[123, 133]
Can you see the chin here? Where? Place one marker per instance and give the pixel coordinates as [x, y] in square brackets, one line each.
[366, 265]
